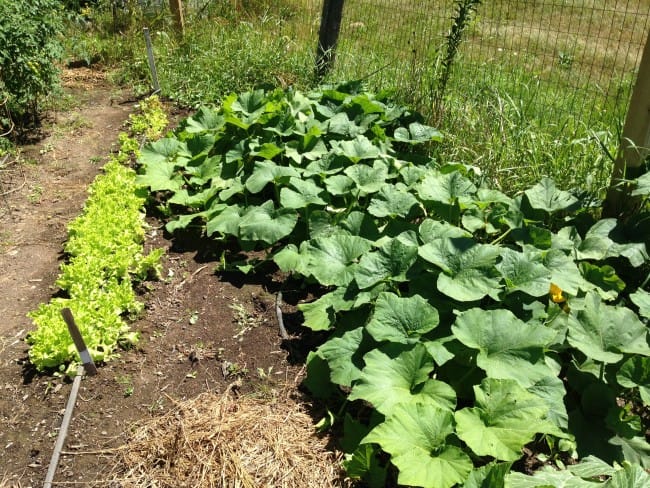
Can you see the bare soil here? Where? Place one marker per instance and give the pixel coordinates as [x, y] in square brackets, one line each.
[201, 330]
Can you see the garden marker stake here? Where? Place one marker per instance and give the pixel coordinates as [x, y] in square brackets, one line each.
[79, 343]
[152, 63]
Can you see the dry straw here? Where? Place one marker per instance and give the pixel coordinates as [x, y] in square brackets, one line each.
[225, 441]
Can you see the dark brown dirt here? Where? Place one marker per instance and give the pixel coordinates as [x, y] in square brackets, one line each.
[200, 331]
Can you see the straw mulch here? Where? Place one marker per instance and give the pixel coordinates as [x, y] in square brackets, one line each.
[82, 77]
[224, 441]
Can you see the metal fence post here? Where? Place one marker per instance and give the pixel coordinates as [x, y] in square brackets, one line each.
[330, 25]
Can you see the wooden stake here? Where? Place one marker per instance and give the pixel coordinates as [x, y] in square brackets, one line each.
[79, 343]
[176, 6]
[152, 62]
[635, 144]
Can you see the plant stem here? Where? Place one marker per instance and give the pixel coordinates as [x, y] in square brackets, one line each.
[501, 237]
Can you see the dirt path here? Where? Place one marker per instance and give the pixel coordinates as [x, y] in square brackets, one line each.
[41, 194]
[200, 330]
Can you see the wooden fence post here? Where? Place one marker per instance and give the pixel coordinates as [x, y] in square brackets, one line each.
[635, 144]
[176, 6]
[328, 35]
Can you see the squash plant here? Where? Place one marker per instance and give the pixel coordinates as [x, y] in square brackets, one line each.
[465, 325]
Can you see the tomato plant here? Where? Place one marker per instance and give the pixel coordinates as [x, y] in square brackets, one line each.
[29, 50]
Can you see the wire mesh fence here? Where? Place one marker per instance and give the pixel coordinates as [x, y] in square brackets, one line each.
[573, 60]
[572, 56]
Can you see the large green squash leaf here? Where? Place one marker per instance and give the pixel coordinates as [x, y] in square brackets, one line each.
[160, 165]
[199, 145]
[161, 176]
[341, 124]
[417, 133]
[410, 173]
[195, 200]
[564, 272]
[604, 278]
[641, 299]
[386, 381]
[642, 185]
[267, 150]
[365, 464]
[598, 245]
[548, 478]
[356, 149]
[266, 172]
[552, 390]
[302, 194]
[445, 187]
[249, 103]
[392, 201]
[508, 348]
[163, 150]
[505, 418]
[522, 274]
[233, 188]
[389, 263]
[183, 221]
[266, 224]
[332, 260]
[631, 476]
[489, 476]
[469, 271]
[368, 179]
[596, 242]
[591, 467]
[321, 314]
[546, 196]
[360, 224]
[604, 333]
[208, 172]
[205, 119]
[635, 373]
[415, 436]
[404, 320]
[225, 222]
[635, 449]
[310, 147]
[431, 230]
[339, 185]
[339, 353]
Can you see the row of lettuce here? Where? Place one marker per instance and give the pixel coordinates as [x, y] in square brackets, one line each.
[466, 327]
[106, 259]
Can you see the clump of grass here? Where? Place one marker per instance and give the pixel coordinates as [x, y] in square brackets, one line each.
[500, 125]
[223, 50]
[514, 150]
[238, 56]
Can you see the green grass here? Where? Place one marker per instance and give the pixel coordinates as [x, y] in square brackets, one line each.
[515, 140]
